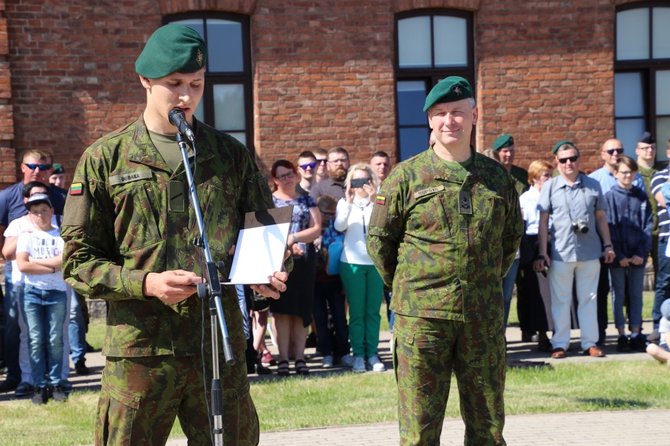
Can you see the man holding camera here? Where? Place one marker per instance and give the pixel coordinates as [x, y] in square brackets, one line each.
[576, 205]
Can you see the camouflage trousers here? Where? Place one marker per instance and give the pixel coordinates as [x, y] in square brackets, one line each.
[141, 397]
[426, 351]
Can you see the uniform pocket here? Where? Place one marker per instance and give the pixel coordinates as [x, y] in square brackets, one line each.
[137, 207]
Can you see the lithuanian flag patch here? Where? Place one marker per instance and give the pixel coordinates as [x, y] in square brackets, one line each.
[76, 189]
[380, 199]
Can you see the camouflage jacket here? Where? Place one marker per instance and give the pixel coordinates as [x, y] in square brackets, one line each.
[120, 224]
[443, 236]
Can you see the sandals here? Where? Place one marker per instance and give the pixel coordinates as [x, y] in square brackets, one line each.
[282, 368]
[301, 367]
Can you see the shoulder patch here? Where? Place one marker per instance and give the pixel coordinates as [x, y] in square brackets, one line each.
[76, 189]
[380, 200]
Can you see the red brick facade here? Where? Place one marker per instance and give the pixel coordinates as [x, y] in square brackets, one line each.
[323, 72]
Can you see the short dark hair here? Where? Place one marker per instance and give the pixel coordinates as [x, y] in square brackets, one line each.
[29, 186]
[380, 154]
[307, 154]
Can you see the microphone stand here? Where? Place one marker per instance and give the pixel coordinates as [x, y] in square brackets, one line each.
[210, 289]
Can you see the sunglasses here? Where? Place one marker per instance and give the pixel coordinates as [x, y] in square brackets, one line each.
[311, 165]
[618, 151]
[33, 166]
[322, 161]
[572, 159]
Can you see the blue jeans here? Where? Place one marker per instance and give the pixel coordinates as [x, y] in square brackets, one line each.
[76, 328]
[11, 311]
[508, 287]
[45, 312]
[633, 277]
[662, 282]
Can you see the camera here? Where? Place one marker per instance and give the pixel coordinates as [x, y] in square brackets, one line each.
[580, 226]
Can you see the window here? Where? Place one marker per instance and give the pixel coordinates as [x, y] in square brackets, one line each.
[227, 102]
[429, 47]
[642, 74]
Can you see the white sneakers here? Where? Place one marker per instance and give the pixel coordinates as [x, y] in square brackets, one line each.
[375, 364]
[359, 365]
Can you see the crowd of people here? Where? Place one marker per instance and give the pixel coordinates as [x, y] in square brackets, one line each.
[45, 321]
[587, 238]
[334, 289]
[442, 238]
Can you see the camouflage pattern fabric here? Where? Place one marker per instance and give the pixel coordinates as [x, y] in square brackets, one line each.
[442, 236]
[475, 353]
[520, 177]
[120, 223]
[443, 257]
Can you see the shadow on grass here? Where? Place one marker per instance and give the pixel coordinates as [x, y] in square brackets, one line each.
[615, 403]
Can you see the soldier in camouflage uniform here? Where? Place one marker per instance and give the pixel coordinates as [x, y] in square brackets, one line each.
[444, 230]
[128, 229]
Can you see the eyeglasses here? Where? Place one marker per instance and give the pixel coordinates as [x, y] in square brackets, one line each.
[321, 161]
[572, 159]
[618, 151]
[625, 172]
[339, 161]
[286, 176]
[311, 165]
[33, 166]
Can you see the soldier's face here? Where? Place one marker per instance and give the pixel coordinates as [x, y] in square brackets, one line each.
[452, 122]
[181, 90]
[506, 156]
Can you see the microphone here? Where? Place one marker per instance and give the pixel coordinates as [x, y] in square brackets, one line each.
[178, 119]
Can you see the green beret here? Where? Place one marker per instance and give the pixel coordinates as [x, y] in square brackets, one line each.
[171, 48]
[449, 89]
[502, 141]
[58, 169]
[562, 143]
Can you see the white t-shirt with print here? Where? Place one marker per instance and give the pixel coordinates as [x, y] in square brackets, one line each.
[42, 245]
[17, 227]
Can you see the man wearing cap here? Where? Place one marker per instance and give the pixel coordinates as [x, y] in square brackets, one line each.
[430, 238]
[128, 229]
[503, 150]
[577, 207]
[57, 177]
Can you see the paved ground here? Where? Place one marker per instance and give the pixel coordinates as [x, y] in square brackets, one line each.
[644, 427]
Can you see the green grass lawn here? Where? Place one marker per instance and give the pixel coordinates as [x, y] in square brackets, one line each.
[348, 398]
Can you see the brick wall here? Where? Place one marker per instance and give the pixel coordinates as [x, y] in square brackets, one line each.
[323, 72]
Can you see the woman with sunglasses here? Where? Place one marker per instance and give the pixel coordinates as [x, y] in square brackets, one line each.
[292, 313]
[362, 283]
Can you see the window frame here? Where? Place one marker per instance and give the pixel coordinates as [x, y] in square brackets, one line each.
[646, 67]
[430, 75]
[243, 77]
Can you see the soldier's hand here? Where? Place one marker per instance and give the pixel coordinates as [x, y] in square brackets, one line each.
[276, 286]
[171, 287]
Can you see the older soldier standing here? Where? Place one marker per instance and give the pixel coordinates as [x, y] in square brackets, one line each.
[128, 228]
[430, 237]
